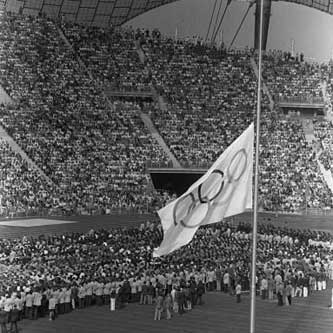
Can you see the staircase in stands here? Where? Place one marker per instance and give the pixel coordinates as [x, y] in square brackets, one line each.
[156, 135]
[17, 149]
[327, 100]
[148, 122]
[308, 130]
[327, 175]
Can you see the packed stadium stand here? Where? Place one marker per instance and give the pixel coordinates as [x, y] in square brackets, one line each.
[205, 113]
[95, 151]
[290, 77]
[110, 55]
[95, 155]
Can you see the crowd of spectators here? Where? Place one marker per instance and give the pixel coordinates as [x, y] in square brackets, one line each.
[110, 55]
[70, 271]
[94, 153]
[22, 188]
[290, 78]
[289, 174]
[205, 112]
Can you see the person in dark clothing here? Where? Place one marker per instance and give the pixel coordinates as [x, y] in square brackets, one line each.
[144, 294]
[279, 293]
[188, 305]
[181, 301]
[14, 317]
[126, 291]
[3, 320]
[151, 292]
[288, 291]
[121, 298]
[44, 306]
[74, 296]
[200, 292]
[193, 292]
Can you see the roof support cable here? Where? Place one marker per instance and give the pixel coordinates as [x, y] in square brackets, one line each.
[240, 25]
[216, 20]
[220, 23]
[211, 20]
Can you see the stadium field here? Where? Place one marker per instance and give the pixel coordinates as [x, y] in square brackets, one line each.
[220, 313]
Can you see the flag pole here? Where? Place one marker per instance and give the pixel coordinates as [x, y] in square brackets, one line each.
[256, 176]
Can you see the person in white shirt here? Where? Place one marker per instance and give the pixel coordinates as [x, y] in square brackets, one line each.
[134, 291]
[238, 292]
[56, 294]
[82, 295]
[37, 302]
[264, 287]
[62, 296]
[113, 295]
[211, 279]
[226, 282]
[23, 296]
[106, 292]
[8, 304]
[52, 306]
[28, 305]
[99, 293]
[89, 292]
[19, 302]
[174, 300]
[139, 290]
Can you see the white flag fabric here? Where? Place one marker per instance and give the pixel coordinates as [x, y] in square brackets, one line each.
[224, 190]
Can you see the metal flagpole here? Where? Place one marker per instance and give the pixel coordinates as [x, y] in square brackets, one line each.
[256, 176]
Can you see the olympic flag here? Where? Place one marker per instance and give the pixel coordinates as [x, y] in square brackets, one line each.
[224, 190]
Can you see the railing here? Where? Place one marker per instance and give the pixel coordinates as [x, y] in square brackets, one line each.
[139, 89]
[160, 165]
[57, 212]
[184, 165]
[306, 99]
[318, 211]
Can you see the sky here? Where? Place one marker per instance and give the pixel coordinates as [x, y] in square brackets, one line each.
[311, 30]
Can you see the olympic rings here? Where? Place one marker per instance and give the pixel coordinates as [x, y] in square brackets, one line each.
[230, 178]
[184, 216]
[199, 203]
[230, 175]
[217, 193]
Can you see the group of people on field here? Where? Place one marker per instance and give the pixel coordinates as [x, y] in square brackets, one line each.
[53, 275]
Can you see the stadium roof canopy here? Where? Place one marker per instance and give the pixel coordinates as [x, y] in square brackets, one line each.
[112, 12]
[88, 12]
[322, 5]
